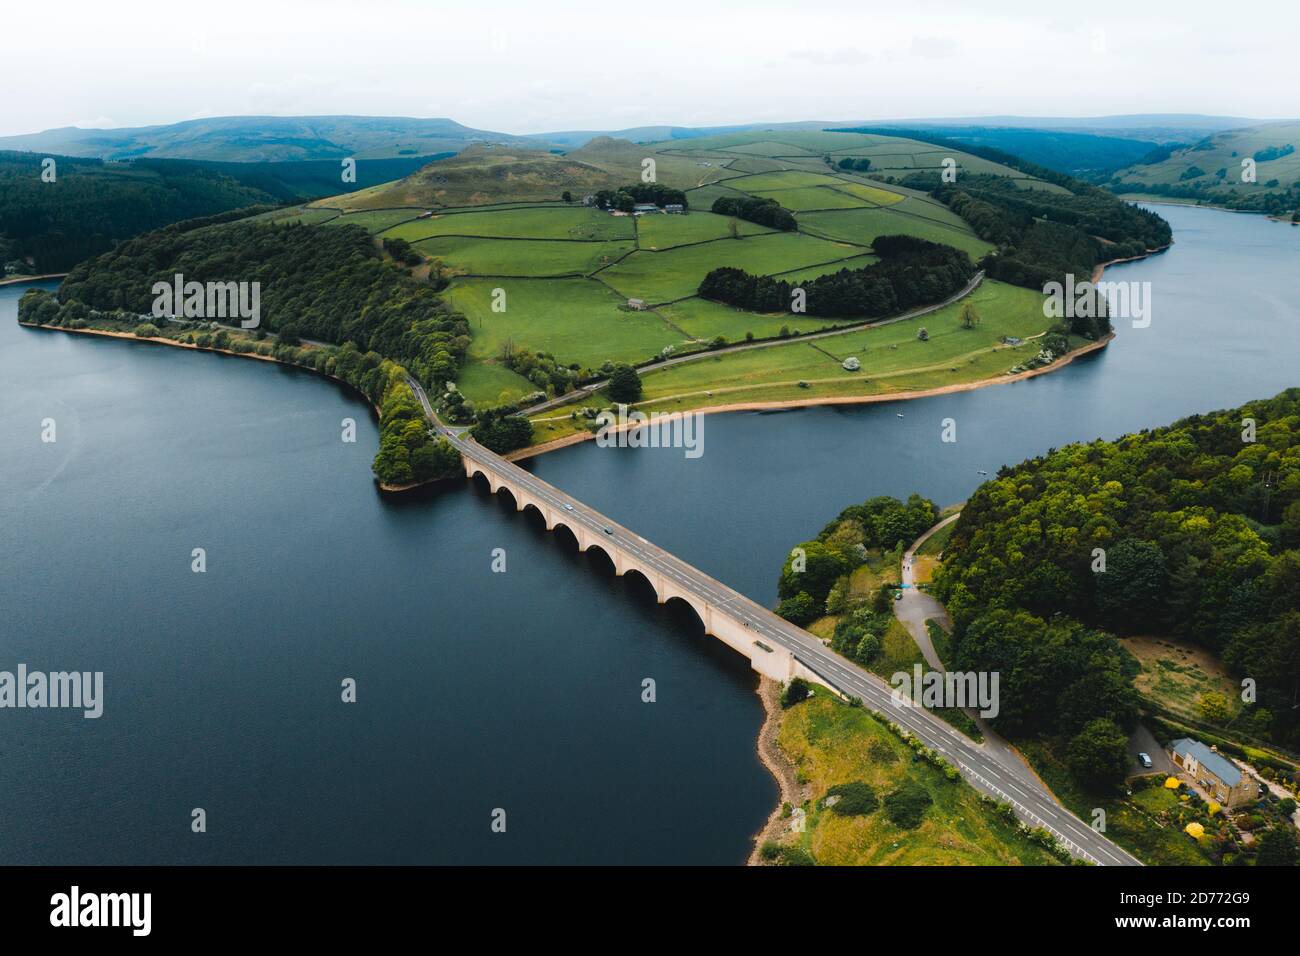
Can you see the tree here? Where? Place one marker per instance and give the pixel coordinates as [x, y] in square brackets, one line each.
[969, 317]
[1277, 847]
[566, 196]
[1214, 707]
[1098, 755]
[923, 335]
[795, 692]
[624, 385]
[799, 609]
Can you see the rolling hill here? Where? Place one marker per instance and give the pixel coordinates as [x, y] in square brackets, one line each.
[1211, 170]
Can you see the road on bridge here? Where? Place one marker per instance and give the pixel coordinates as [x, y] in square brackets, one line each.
[1033, 803]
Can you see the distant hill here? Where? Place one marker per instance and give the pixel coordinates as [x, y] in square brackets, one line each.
[1211, 170]
[1159, 127]
[287, 138]
[265, 139]
[1078, 154]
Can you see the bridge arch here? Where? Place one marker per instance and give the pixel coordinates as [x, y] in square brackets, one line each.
[638, 580]
[605, 557]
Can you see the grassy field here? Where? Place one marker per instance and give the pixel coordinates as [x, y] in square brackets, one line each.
[910, 216]
[1176, 676]
[676, 273]
[545, 222]
[664, 232]
[376, 220]
[577, 320]
[893, 360]
[490, 383]
[521, 257]
[808, 198]
[890, 355]
[832, 743]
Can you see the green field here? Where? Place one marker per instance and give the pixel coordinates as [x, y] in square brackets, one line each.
[664, 232]
[893, 359]
[832, 743]
[546, 222]
[883, 351]
[375, 220]
[576, 320]
[489, 383]
[522, 257]
[568, 270]
[677, 273]
[864, 225]
[808, 198]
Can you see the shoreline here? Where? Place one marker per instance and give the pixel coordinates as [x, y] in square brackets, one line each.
[778, 765]
[781, 405]
[20, 280]
[158, 340]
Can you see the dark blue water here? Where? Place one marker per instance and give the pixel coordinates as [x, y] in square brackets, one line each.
[476, 690]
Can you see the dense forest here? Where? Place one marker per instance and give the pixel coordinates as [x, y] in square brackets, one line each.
[911, 272]
[1043, 236]
[323, 282]
[90, 206]
[1190, 531]
[765, 212]
[365, 319]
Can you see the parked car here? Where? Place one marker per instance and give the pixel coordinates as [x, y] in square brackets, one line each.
[1145, 760]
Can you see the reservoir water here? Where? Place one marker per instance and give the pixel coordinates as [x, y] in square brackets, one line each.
[476, 691]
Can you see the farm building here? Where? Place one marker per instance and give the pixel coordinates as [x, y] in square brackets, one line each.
[675, 208]
[642, 207]
[1214, 772]
[637, 305]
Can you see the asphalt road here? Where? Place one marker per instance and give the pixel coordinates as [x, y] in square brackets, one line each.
[1032, 802]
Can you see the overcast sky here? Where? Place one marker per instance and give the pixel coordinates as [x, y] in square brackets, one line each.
[524, 66]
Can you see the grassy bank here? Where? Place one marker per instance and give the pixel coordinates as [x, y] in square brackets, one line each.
[831, 743]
